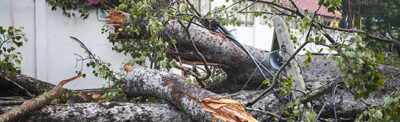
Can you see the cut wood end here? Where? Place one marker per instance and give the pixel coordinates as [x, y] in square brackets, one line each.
[127, 68]
[226, 110]
[96, 96]
[63, 82]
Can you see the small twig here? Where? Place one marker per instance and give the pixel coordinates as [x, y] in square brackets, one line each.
[229, 6]
[84, 47]
[177, 52]
[92, 57]
[266, 112]
[199, 79]
[194, 9]
[185, 69]
[244, 8]
[12, 102]
[20, 87]
[179, 57]
[284, 14]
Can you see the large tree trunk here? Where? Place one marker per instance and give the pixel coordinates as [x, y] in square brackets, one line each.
[237, 65]
[105, 112]
[199, 103]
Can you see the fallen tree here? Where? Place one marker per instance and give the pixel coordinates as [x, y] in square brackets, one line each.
[176, 90]
[142, 82]
[200, 104]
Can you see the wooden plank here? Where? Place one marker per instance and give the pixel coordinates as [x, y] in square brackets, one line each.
[286, 50]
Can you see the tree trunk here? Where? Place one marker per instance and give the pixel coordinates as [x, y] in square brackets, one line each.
[200, 104]
[237, 65]
[31, 84]
[105, 112]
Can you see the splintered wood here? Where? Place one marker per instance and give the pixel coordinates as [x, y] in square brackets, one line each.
[218, 34]
[117, 18]
[226, 110]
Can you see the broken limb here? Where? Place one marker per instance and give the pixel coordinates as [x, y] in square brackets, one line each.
[200, 104]
[29, 94]
[199, 78]
[37, 102]
[31, 84]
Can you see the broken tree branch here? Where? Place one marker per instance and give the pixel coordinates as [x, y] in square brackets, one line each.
[19, 86]
[199, 78]
[200, 104]
[37, 102]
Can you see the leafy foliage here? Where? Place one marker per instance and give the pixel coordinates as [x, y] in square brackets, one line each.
[68, 7]
[141, 36]
[11, 39]
[331, 5]
[376, 17]
[360, 64]
[390, 112]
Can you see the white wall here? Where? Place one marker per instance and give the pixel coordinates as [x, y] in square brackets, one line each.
[61, 48]
[258, 35]
[52, 59]
[21, 14]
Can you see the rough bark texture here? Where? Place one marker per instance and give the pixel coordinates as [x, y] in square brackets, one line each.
[236, 63]
[37, 102]
[153, 83]
[31, 84]
[188, 97]
[105, 112]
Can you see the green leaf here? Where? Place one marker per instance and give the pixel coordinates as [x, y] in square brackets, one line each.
[363, 35]
[378, 114]
[266, 81]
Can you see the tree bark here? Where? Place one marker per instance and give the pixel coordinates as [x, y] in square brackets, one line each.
[200, 104]
[31, 84]
[155, 83]
[37, 102]
[237, 65]
[105, 112]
